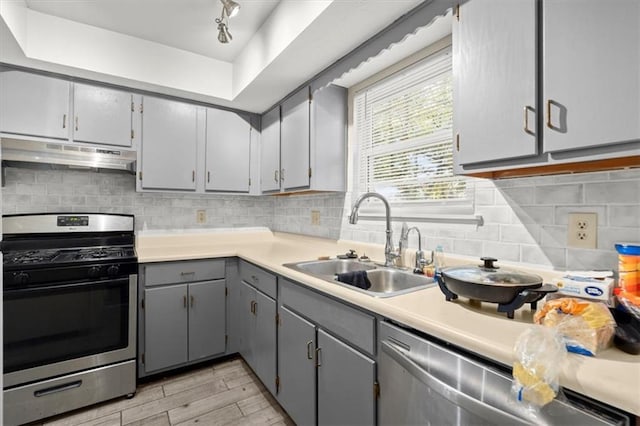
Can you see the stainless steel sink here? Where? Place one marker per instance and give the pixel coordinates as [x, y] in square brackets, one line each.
[385, 282]
[329, 268]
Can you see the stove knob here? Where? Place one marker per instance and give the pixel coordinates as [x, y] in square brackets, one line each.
[94, 271]
[113, 270]
[21, 278]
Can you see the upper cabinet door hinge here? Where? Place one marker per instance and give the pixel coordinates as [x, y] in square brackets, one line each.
[458, 12]
[132, 134]
[309, 171]
[133, 106]
[141, 107]
[277, 318]
[376, 390]
[249, 181]
[140, 175]
[277, 384]
[226, 291]
[458, 142]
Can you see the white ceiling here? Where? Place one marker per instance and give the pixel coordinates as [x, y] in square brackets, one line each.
[171, 47]
[185, 24]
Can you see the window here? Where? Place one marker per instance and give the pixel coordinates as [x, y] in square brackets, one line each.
[403, 132]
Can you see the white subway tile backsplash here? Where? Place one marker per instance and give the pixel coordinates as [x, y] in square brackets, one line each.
[613, 192]
[559, 194]
[525, 218]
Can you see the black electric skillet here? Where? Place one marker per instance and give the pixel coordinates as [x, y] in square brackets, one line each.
[510, 289]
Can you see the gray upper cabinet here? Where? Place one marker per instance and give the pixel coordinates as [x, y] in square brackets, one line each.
[306, 149]
[295, 167]
[591, 73]
[228, 151]
[34, 105]
[494, 54]
[102, 115]
[270, 151]
[585, 115]
[296, 367]
[169, 140]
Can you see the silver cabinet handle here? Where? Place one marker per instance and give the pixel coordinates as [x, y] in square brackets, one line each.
[549, 125]
[281, 175]
[454, 395]
[76, 123]
[309, 349]
[64, 121]
[253, 307]
[528, 109]
[275, 175]
[318, 363]
[208, 177]
[192, 300]
[184, 301]
[193, 176]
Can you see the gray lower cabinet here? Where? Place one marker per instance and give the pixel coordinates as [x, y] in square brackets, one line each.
[297, 367]
[324, 379]
[255, 319]
[181, 322]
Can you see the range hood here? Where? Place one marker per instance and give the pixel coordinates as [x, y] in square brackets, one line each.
[67, 155]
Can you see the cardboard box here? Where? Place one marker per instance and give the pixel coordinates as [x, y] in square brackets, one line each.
[587, 287]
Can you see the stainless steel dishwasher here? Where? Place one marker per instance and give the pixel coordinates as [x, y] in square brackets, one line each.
[427, 383]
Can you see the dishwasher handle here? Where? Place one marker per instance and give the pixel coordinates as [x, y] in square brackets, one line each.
[448, 392]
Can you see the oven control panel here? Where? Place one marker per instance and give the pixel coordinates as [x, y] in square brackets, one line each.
[73, 220]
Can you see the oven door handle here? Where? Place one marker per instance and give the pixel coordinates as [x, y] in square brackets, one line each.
[448, 392]
[57, 388]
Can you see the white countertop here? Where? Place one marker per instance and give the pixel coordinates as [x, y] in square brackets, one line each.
[612, 377]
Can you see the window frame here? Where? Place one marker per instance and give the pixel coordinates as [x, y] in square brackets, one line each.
[445, 211]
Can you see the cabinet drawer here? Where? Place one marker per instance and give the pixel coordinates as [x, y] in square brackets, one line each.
[259, 278]
[354, 326]
[186, 271]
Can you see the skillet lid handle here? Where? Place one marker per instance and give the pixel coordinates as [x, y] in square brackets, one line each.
[488, 262]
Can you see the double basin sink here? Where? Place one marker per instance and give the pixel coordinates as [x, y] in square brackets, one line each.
[385, 281]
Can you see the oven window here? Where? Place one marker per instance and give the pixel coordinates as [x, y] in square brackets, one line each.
[58, 323]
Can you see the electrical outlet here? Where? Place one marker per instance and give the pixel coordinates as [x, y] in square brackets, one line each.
[315, 217]
[201, 216]
[582, 230]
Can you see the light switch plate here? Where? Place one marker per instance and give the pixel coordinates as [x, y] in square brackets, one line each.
[582, 231]
[201, 216]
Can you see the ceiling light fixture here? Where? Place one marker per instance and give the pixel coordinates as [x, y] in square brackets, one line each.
[229, 9]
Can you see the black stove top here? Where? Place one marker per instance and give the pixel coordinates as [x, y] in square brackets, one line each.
[51, 257]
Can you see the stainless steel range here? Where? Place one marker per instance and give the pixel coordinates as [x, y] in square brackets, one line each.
[70, 285]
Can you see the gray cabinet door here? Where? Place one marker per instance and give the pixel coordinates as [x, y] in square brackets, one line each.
[101, 115]
[270, 151]
[169, 139]
[296, 367]
[165, 326]
[264, 344]
[206, 319]
[591, 73]
[294, 141]
[246, 324]
[34, 105]
[345, 384]
[228, 151]
[494, 62]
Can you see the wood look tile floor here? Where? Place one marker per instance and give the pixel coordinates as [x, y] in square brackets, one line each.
[219, 393]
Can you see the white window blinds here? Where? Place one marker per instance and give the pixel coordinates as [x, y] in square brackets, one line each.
[404, 135]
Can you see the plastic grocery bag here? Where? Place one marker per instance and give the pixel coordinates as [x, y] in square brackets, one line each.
[586, 327]
[539, 355]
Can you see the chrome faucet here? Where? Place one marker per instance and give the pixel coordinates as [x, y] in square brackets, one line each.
[390, 256]
[421, 262]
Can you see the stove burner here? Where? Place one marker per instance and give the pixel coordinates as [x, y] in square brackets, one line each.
[30, 257]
